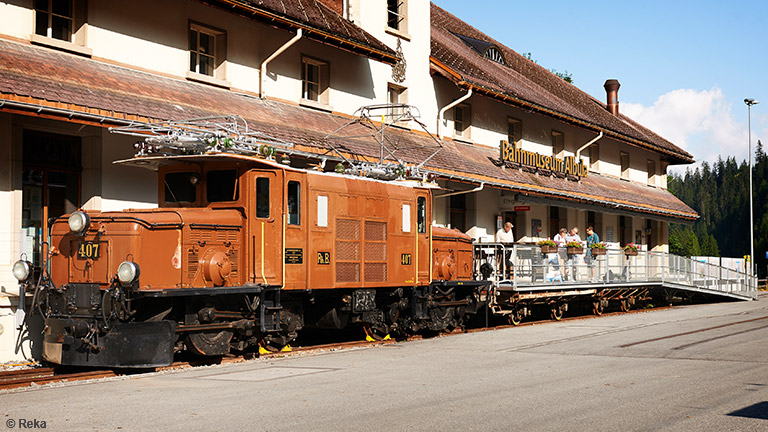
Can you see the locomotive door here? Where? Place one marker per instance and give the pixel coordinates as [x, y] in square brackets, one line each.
[423, 234]
[266, 209]
[296, 253]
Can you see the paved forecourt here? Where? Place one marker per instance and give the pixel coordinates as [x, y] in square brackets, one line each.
[694, 368]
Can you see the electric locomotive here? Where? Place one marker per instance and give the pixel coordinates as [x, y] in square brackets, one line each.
[241, 254]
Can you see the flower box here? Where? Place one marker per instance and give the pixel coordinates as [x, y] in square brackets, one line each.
[630, 252]
[599, 251]
[548, 249]
[575, 251]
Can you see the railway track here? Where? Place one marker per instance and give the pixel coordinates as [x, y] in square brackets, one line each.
[47, 375]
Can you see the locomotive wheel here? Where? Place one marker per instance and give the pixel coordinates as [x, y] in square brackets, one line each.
[210, 343]
[516, 317]
[557, 312]
[624, 305]
[375, 333]
[597, 307]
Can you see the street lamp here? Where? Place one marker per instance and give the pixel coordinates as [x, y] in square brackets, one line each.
[749, 103]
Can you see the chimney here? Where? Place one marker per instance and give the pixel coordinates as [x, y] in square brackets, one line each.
[612, 93]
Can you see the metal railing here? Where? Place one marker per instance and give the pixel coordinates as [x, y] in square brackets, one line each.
[526, 265]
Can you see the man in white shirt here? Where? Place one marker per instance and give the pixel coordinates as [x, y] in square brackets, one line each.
[562, 257]
[505, 235]
[573, 236]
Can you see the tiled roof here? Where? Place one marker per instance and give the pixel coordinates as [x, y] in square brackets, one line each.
[525, 83]
[44, 77]
[319, 22]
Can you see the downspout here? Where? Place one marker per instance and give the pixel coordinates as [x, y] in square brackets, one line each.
[446, 108]
[578, 152]
[263, 69]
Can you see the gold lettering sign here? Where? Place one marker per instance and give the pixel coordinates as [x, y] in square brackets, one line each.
[511, 153]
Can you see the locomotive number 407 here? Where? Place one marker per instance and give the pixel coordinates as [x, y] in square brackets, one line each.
[88, 250]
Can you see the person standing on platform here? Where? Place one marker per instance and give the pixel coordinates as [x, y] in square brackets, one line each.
[559, 240]
[506, 236]
[573, 236]
[592, 239]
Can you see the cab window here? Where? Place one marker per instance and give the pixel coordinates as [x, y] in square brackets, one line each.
[421, 214]
[262, 197]
[181, 187]
[294, 203]
[221, 185]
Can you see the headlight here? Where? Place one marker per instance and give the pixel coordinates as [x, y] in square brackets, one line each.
[79, 222]
[128, 272]
[21, 270]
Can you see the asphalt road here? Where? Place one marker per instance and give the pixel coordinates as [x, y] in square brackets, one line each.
[694, 368]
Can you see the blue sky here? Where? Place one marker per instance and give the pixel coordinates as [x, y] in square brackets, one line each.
[685, 67]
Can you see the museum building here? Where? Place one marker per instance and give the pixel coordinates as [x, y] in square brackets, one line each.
[506, 139]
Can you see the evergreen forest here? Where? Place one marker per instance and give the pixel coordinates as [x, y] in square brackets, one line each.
[720, 194]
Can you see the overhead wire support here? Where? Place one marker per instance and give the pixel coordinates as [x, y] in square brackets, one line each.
[220, 133]
[379, 119]
[232, 134]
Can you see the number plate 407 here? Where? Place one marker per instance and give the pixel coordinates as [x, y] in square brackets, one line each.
[88, 250]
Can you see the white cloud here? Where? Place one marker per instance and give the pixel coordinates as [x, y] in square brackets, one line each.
[701, 122]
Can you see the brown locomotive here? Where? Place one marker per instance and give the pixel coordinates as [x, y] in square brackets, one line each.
[243, 253]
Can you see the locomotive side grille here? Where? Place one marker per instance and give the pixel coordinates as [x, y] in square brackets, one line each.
[233, 261]
[347, 272]
[347, 229]
[226, 236]
[192, 263]
[375, 231]
[200, 235]
[375, 272]
[348, 254]
[375, 252]
[347, 251]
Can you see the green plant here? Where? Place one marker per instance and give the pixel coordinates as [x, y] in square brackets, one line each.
[630, 246]
[599, 246]
[573, 244]
[547, 242]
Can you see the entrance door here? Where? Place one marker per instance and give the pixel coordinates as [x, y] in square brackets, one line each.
[51, 185]
[297, 253]
[266, 226]
[423, 224]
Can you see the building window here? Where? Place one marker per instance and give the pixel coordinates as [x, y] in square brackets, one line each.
[314, 80]
[206, 50]
[55, 19]
[624, 165]
[462, 117]
[396, 95]
[494, 54]
[651, 173]
[396, 15]
[594, 157]
[458, 213]
[558, 144]
[514, 131]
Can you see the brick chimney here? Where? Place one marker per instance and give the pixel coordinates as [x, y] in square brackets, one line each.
[612, 94]
[336, 5]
